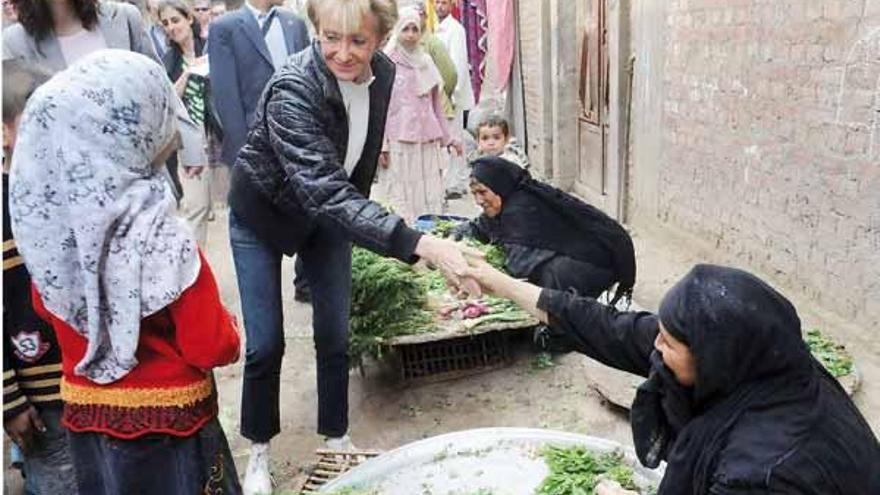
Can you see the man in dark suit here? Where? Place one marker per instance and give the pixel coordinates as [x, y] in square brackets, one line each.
[245, 47]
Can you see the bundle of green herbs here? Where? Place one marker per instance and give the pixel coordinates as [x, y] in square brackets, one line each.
[388, 299]
[577, 470]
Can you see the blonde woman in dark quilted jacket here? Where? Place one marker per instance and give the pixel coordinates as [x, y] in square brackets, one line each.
[301, 185]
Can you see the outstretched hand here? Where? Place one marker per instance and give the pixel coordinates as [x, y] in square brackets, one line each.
[490, 279]
[449, 258]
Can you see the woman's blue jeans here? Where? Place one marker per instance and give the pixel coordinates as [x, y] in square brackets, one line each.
[326, 260]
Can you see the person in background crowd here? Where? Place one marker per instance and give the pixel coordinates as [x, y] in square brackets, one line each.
[202, 11]
[452, 34]
[10, 15]
[493, 139]
[31, 357]
[247, 46]
[218, 8]
[416, 132]
[154, 28]
[734, 402]
[185, 63]
[119, 277]
[301, 186]
[433, 46]
[56, 33]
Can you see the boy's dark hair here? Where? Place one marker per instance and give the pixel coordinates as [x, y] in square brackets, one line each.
[20, 79]
[494, 121]
[36, 16]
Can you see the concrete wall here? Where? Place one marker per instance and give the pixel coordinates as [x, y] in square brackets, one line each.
[646, 121]
[549, 52]
[757, 127]
[534, 29]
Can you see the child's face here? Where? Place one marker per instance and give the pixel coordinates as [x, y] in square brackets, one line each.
[492, 140]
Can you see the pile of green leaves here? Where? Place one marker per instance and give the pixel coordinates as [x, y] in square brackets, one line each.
[444, 228]
[576, 470]
[387, 300]
[495, 255]
[832, 356]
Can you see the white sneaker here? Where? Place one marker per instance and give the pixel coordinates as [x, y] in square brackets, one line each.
[340, 444]
[257, 480]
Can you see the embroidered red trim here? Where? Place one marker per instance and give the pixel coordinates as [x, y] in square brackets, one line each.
[132, 422]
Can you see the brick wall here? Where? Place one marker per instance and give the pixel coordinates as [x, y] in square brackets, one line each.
[771, 140]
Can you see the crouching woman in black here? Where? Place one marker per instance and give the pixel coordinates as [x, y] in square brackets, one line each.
[733, 402]
[551, 238]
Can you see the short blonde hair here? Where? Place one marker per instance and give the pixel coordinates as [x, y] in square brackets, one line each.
[384, 10]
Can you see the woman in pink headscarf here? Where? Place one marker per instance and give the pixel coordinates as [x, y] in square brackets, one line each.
[415, 132]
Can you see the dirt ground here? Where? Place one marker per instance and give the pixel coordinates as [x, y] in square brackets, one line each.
[385, 414]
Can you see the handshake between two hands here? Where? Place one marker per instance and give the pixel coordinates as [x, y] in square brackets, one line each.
[465, 268]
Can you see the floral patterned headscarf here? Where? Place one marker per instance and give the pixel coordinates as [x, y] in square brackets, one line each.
[93, 218]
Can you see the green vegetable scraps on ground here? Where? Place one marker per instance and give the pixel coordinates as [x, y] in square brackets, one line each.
[576, 470]
[832, 356]
[542, 361]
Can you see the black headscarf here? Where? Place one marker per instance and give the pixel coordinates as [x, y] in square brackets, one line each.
[541, 216]
[751, 363]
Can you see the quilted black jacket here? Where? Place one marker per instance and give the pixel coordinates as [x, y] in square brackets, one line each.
[289, 178]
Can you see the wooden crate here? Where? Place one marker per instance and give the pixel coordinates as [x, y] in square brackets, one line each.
[332, 464]
[453, 357]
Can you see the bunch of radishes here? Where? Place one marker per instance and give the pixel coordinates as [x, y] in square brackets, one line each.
[465, 310]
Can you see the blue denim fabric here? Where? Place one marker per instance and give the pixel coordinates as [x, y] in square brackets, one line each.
[326, 265]
[48, 468]
[154, 464]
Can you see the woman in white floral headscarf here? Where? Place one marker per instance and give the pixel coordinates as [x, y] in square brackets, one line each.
[118, 275]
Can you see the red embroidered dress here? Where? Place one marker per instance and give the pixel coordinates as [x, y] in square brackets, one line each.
[170, 390]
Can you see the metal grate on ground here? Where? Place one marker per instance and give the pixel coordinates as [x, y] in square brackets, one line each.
[332, 464]
[452, 358]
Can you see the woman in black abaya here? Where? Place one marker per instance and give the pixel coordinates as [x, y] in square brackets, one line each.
[733, 402]
[551, 238]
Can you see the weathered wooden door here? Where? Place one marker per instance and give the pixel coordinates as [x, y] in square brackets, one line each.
[592, 177]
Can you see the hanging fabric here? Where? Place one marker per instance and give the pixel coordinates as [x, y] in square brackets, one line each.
[473, 14]
[502, 33]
